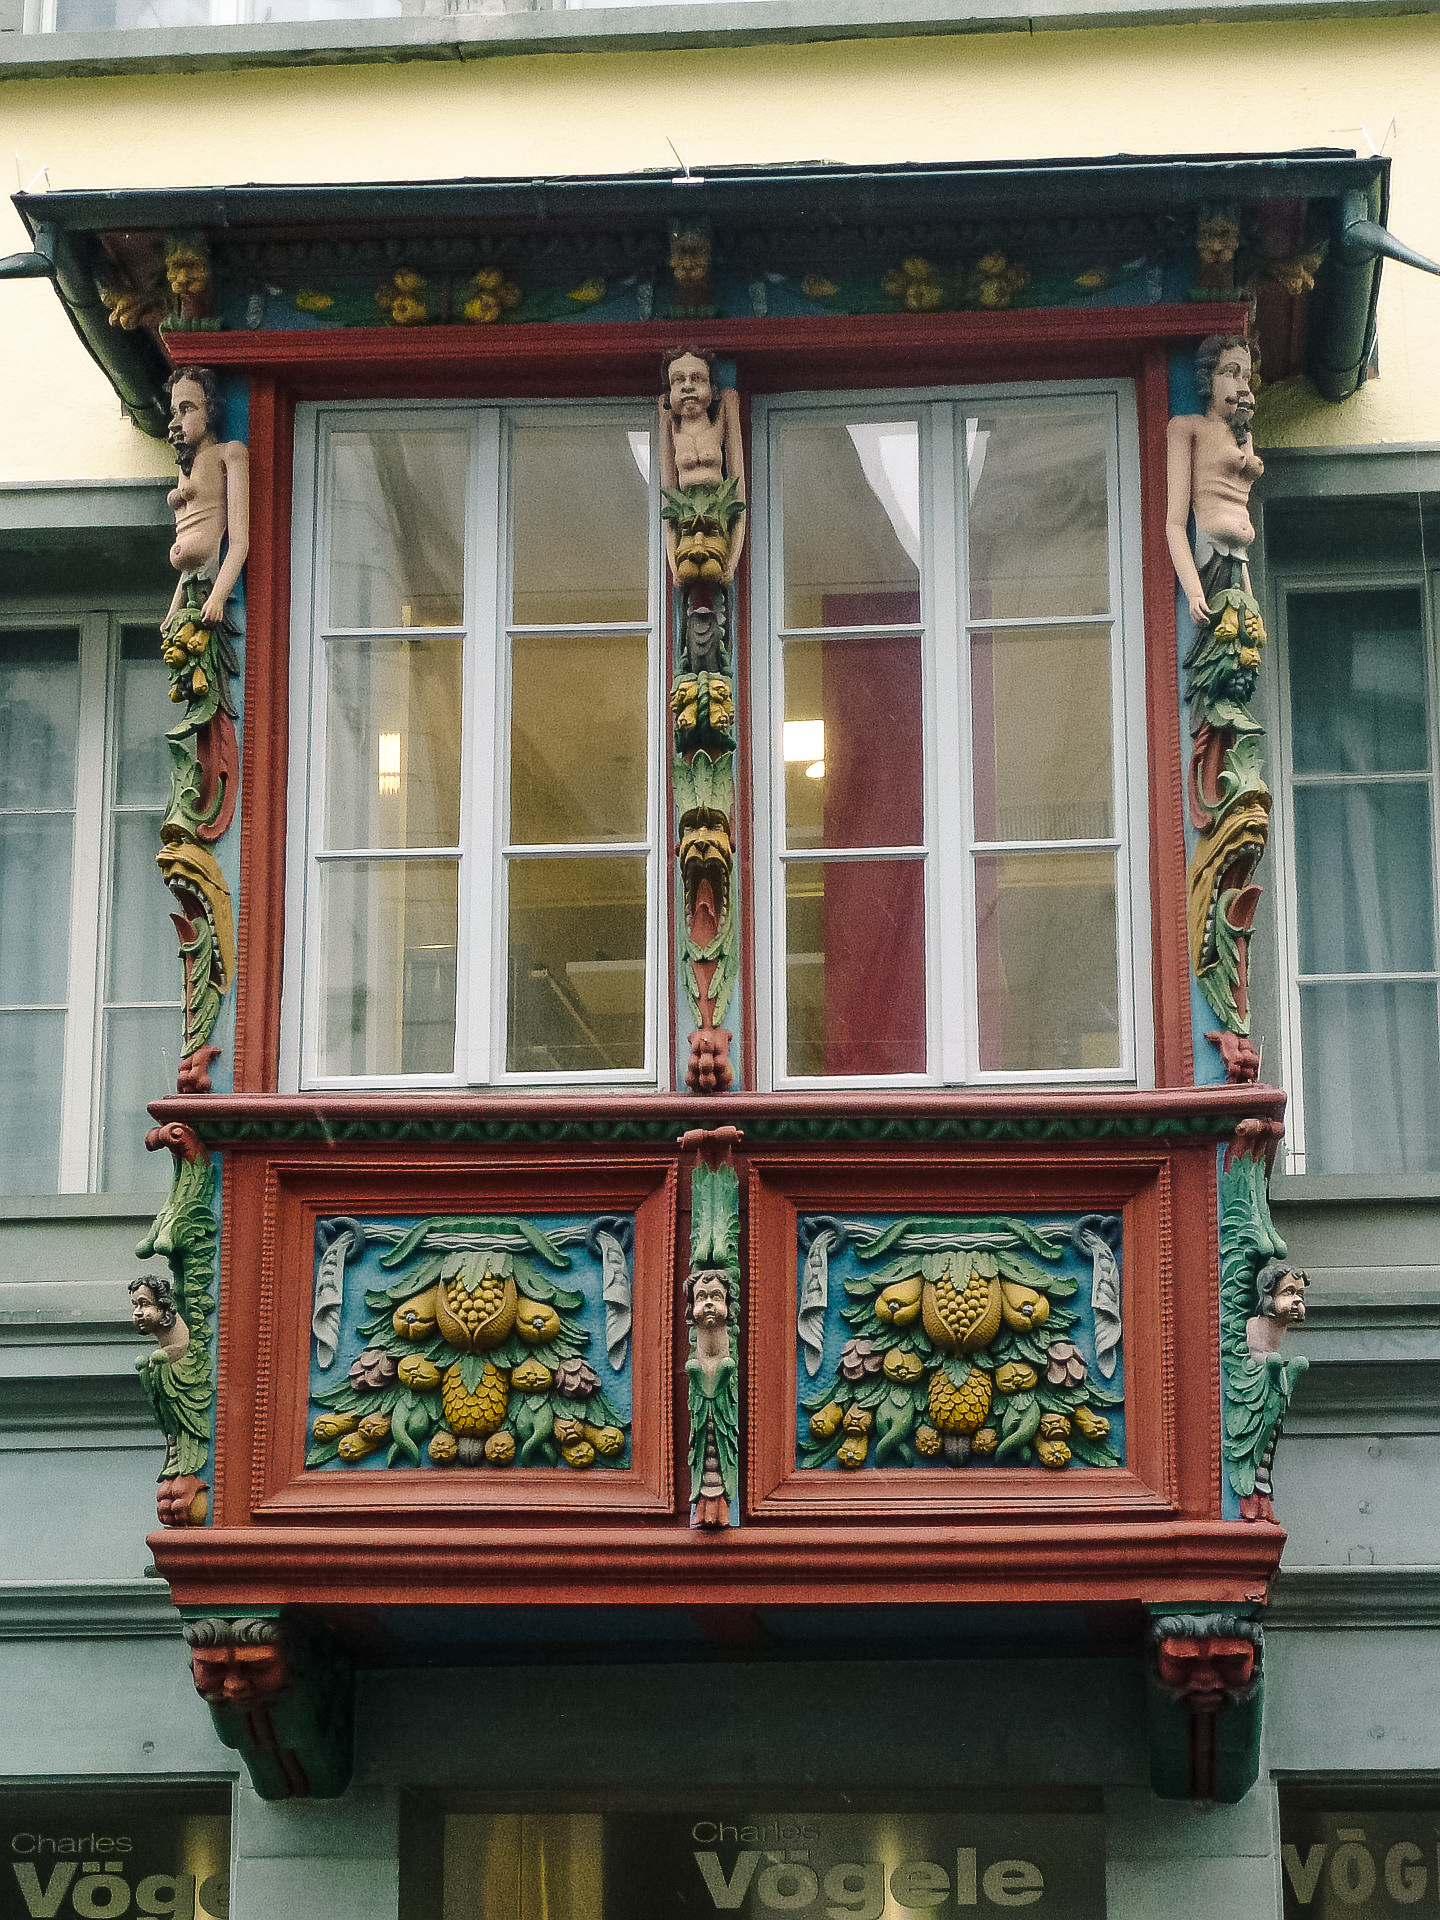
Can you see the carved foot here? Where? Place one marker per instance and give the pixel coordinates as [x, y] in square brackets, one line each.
[1256, 1506]
[183, 1501]
[1242, 1062]
[194, 1073]
[712, 1510]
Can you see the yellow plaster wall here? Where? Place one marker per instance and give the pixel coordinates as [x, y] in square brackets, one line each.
[1186, 89]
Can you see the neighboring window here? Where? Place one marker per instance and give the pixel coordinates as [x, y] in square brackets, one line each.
[89, 978]
[108, 16]
[1357, 752]
[479, 897]
[953, 705]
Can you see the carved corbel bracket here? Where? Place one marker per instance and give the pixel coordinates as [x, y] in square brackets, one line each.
[281, 1694]
[1205, 1675]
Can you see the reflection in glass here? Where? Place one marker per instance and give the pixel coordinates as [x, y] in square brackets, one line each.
[851, 502]
[392, 743]
[1372, 1077]
[35, 853]
[1363, 866]
[32, 1060]
[141, 1053]
[855, 967]
[1041, 703]
[580, 524]
[387, 966]
[140, 937]
[852, 740]
[39, 718]
[1357, 682]
[577, 964]
[578, 718]
[142, 713]
[1038, 512]
[397, 556]
[1047, 962]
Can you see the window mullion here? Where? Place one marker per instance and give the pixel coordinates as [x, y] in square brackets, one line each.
[952, 878]
[80, 1091]
[484, 894]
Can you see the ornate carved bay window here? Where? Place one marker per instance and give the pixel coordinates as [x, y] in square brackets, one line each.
[950, 1276]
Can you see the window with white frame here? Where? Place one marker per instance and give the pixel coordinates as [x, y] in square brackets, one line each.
[1355, 824]
[479, 899]
[89, 979]
[952, 699]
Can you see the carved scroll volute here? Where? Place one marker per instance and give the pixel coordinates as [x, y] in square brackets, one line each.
[712, 1318]
[702, 467]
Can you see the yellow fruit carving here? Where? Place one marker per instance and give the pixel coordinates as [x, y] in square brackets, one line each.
[443, 1447]
[1053, 1453]
[962, 1309]
[1093, 1425]
[959, 1409]
[375, 1427]
[826, 1422]
[579, 1453]
[418, 1373]
[478, 1412]
[1022, 1307]
[1054, 1426]
[859, 1420]
[853, 1450]
[415, 1319]
[475, 1312]
[1016, 1376]
[331, 1426]
[986, 1440]
[355, 1447]
[536, 1323]
[902, 1367]
[927, 1442]
[607, 1441]
[532, 1376]
[500, 1449]
[899, 1306]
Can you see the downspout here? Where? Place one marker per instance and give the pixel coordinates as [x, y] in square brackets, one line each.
[131, 362]
[1341, 333]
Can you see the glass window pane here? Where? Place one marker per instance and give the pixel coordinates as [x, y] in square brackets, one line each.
[387, 966]
[853, 743]
[397, 533]
[578, 725]
[143, 711]
[35, 853]
[392, 743]
[1363, 874]
[1386, 528]
[577, 965]
[143, 964]
[851, 504]
[1041, 702]
[1039, 516]
[580, 523]
[32, 1066]
[1372, 1078]
[855, 966]
[141, 1053]
[1047, 962]
[1357, 682]
[39, 718]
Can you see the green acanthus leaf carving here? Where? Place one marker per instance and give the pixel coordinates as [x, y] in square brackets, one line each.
[181, 1392]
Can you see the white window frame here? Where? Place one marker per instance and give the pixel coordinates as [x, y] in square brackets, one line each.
[484, 850]
[952, 1010]
[1344, 577]
[86, 1059]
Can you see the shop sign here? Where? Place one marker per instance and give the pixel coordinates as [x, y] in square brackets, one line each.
[1375, 1865]
[101, 1852]
[855, 1866]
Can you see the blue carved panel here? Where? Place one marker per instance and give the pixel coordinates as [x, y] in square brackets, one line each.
[468, 1342]
[964, 1341]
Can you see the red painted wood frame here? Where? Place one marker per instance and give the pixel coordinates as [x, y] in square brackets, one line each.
[1169, 1302]
[267, 1284]
[566, 360]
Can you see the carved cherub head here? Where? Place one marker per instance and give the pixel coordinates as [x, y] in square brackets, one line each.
[153, 1309]
[709, 1297]
[1281, 1291]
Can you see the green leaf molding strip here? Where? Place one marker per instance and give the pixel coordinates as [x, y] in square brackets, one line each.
[472, 1356]
[179, 1376]
[962, 1350]
[712, 1313]
[1256, 1381]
